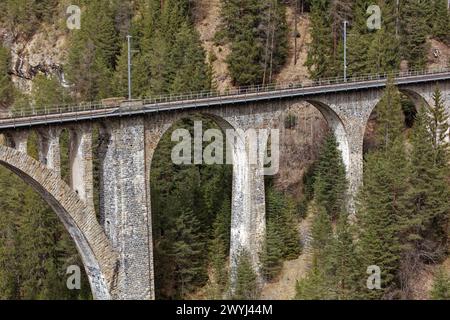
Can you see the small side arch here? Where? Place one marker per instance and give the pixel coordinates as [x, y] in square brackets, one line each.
[417, 99]
[338, 127]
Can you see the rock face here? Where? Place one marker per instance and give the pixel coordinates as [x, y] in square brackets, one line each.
[44, 52]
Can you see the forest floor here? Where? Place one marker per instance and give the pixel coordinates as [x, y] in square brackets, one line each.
[295, 70]
[207, 22]
[283, 288]
[438, 55]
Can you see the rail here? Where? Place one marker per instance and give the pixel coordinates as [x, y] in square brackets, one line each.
[100, 107]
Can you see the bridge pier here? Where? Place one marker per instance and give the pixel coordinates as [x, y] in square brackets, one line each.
[124, 205]
[49, 149]
[248, 216]
[80, 158]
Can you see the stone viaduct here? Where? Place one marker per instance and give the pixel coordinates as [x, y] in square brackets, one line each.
[116, 248]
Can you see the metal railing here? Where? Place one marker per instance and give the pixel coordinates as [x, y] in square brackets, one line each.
[162, 101]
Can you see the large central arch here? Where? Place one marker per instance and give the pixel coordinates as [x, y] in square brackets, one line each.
[247, 203]
[80, 220]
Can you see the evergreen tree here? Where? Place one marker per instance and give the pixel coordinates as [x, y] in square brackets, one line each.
[47, 92]
[313, 286]
[359, 39]
[187, 252]
[389, 116]
[218, 251]
[257, 31]
[343, 261]
[282, 237]
[6, 87]
[321, 230]
[93, 51]
[381, 198]
[320, 50]
[188, 59]
[272, 253]
[246, 281]
[439, 128]
[289, 231]
[120, 76]
[378, 218]
[440, 22]
[441, 286]
[383, 54]
[10, 257]
[427, 201]
[37, 230]
[414, 30]
[330, 183]
[170, 56]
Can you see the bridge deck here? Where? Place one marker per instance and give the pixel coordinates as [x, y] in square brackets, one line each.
[242, 95]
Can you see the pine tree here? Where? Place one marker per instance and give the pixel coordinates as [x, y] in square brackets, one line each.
[246, 281]
[257, 32]
[359, 39]
[188, 59]
[315, 286]
[170, 56]
[320, 49]
[45, 9]
[414, 30]
[343, 261]
[187, 252]
[441, 286]
[440, 23]
[6, 87]
[93, 51]
[439, 129]
[330, 183]
[289, 231]
[322, 232]
[378, 216]
[10, 257]
[272, 253]
[281, 224]
[37, 227]
[218, 251]
[389, 116]
[47, 92]
[120, 76]
[381, 198]
[383, 56]
[428, 202]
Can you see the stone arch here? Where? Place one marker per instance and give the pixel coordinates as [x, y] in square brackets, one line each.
[337, 125]
[245, 215]
[155, 130]
[98, 257]
[418, 100]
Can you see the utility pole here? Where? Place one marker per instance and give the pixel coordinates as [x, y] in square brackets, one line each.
[397, 19]
[345, 50]
[129, 66]
[296, 31]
